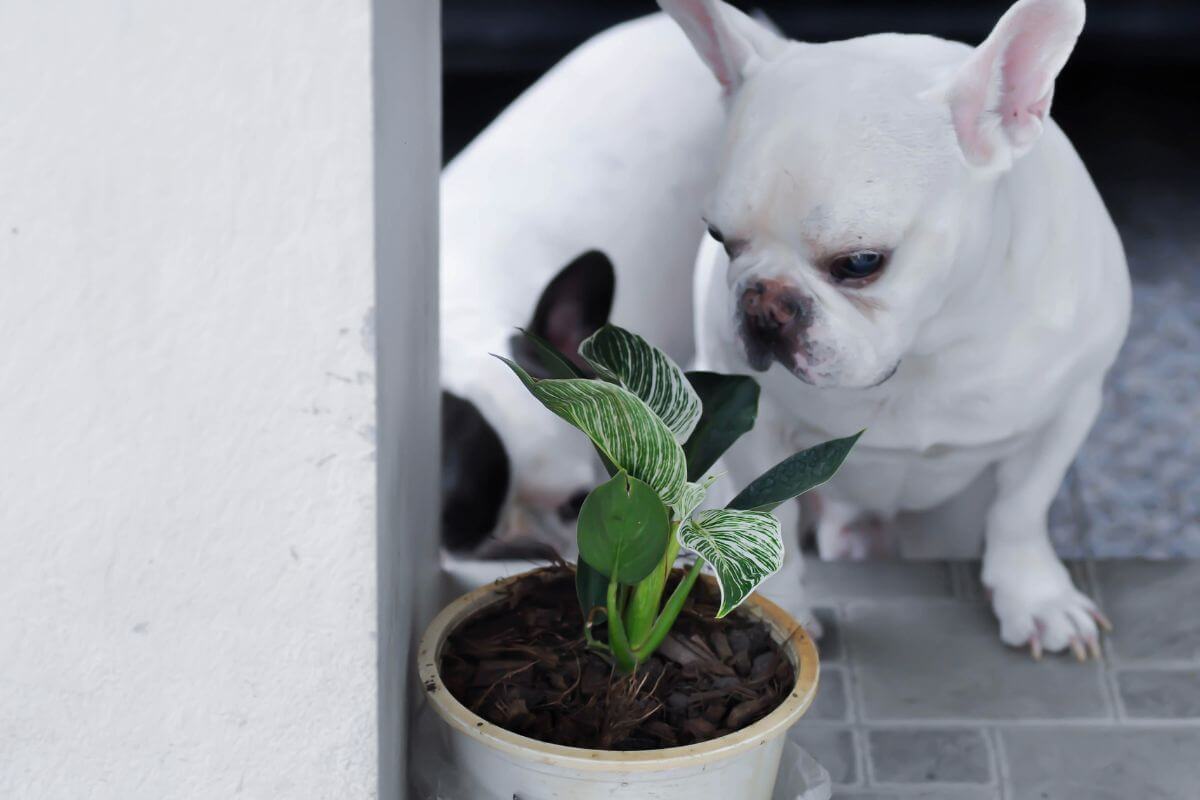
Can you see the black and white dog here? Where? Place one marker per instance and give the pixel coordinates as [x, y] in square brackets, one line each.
[583, 197]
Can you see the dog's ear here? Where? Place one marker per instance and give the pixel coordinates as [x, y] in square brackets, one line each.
[475, 475]
[730, 42]
[574, 305]
[1000, 98]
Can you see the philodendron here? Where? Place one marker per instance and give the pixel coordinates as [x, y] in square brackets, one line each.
[659, 430]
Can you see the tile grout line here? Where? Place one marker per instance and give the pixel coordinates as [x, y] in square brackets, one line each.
[1003, 776]
[957, 589]
[1111, 690]
[854, 699]
[859, 736]
[1155, 665]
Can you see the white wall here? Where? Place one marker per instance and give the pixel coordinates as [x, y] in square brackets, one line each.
[187, 417]
[408, 102]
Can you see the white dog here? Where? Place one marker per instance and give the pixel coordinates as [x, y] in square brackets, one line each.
[909, 244]
[607, 158]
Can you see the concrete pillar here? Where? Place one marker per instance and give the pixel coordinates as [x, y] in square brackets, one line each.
[408, 103]
[215, 218]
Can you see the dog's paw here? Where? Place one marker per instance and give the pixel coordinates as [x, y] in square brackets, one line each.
[846, 534]
[1038, 606]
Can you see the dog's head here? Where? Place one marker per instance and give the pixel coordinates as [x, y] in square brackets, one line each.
[514, 477]
[856, 176]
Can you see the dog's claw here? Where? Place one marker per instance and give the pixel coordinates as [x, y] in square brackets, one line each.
[1035, 647]
[1093, 645]
[1077, 650]
[1102, 620]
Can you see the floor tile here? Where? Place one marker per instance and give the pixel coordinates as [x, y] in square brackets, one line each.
[1160, 694]
[830, 643]
[833, 748]
[1098, 764]
[839, 580]
[1135, 594]
[927, 793]
[924, 756]
[830, 703]
[944, 660]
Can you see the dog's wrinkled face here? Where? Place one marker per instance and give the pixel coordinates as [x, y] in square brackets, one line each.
[834, 207]
[853, 170]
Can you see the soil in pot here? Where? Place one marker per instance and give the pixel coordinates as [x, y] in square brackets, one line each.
[522, 664]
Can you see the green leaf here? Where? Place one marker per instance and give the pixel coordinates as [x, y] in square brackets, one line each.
[795, 475]
[690, 498]
[730, 406]
[743, 547]
[643, 369]
[623, 529]
[622, 427]
[556, 364]
[590, 588]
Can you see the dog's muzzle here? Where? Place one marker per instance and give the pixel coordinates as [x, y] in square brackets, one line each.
[774, 318]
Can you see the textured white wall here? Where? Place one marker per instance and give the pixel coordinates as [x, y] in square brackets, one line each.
[187, 474]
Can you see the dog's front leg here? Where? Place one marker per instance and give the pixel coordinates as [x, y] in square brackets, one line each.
[1032, 594]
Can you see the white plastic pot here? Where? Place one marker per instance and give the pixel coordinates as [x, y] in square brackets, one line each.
[500, 765]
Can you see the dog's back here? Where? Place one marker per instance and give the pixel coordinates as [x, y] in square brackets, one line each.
[612, 151]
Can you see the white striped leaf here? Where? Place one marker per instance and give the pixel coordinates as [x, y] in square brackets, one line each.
[690, 498]
[743, 547]
[628, 359]
[621, 426]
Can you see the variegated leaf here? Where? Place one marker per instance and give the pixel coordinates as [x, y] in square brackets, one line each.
[690, 498]
[622, 427]
[743, 547]
[643, 369]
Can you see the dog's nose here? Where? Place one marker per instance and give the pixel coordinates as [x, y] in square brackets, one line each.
[769, 306]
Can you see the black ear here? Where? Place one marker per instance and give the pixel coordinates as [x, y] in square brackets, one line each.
[574, 305]
[475, 475]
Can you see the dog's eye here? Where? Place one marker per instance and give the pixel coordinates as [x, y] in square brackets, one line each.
[857, 265]
[717, 236]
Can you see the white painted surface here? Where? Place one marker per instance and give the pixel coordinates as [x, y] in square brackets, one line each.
[408, 101]
[187, 474]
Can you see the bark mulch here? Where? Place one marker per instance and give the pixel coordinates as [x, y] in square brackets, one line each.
[523, 664]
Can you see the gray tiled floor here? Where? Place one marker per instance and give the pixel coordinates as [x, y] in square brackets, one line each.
[1092, 764]
[1148, 604]
[919, 699]
[901, 755]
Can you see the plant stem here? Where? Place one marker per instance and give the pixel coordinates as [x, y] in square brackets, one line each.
[662, 626]
[592, 641]
[647, 595]
[618, 642]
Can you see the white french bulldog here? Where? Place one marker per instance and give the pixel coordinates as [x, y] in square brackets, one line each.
[904, 241]
[599, 168]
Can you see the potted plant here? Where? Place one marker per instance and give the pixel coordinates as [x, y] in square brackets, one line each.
[627, 677]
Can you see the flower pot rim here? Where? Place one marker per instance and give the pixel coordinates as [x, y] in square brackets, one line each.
[787, 632]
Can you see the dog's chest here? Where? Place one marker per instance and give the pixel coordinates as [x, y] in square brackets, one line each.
[926, 438]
